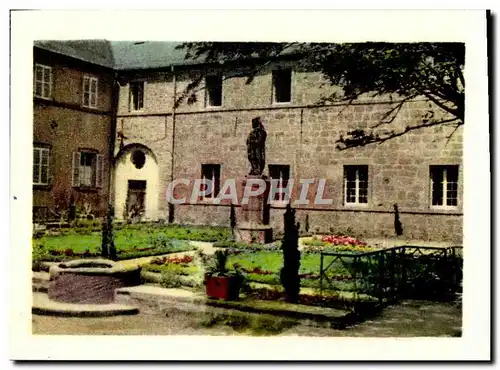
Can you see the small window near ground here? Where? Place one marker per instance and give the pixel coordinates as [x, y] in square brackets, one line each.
[211, 172]
[281, 174]
[214, 91]
[356, 184]
[43, 81]
[444, 186]
[282, 85]
[136, 95]
[41, 159]
[88, 169]
[89, 92]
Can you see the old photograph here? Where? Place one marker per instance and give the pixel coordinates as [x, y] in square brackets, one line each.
[247, 188]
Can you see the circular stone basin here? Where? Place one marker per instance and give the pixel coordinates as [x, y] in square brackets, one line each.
[90, 281]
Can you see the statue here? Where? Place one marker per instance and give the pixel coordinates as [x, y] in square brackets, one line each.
[256, 147]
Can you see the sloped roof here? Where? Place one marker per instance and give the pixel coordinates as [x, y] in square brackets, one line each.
[93, 51]
[147, 54]
[119, 55]
[123, 55]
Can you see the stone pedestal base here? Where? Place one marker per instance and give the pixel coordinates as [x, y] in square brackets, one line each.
[253, 227]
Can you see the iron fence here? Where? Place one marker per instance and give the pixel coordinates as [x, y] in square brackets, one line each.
[399, 272]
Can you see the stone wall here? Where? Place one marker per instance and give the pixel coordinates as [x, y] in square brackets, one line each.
[304, 137]
[65, 127]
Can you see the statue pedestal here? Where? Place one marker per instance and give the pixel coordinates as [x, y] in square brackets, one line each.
[254, 225]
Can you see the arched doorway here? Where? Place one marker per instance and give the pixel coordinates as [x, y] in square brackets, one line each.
[136, 184]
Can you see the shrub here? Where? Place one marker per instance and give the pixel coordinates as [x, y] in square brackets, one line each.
[170, 279]
[230, 244]
[38, 255]
[289, 274]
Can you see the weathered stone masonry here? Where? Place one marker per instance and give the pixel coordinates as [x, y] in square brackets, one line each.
[61, 124]
[302, 136]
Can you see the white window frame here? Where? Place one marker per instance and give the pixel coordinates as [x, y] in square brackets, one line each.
[445, 205]
[40, 165]
[46, 80]
[131, 96]
[357, 181]
[282, 193]
[97, 170]
[273, 83]
[90, 79]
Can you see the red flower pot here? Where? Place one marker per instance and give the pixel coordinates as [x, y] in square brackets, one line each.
[222, 287]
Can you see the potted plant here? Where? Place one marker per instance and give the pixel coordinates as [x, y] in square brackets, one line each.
[221, 283]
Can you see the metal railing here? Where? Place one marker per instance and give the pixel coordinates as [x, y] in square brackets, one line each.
[389, 274]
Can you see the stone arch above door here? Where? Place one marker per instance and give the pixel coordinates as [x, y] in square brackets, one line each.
[136, 183]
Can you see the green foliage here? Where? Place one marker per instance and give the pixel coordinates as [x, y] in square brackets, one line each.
[178, 269]
[47, 252]
[315, 242]
[130, 237]
[108, 249]
[170, 279]
[39, 254]
[230, 244]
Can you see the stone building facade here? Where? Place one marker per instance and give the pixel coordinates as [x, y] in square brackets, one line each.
[301, 144]
[154, 141]
[72, 124]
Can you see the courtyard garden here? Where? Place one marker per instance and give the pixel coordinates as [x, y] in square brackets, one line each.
[131, 241]
[336, 271]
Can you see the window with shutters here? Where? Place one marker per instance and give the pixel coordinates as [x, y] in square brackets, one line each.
[444, 186]
[356, 185]
[89, 92]
[211, 172]
[41, 160]
[43, 81]
[280, 174]
[136, 95]
[88, 169]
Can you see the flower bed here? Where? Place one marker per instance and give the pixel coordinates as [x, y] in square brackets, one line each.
[182, 266]
[335, 243]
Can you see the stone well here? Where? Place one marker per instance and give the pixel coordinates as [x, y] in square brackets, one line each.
[90, 281]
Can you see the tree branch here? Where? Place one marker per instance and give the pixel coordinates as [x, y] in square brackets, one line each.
[441, 104]
[362, 140]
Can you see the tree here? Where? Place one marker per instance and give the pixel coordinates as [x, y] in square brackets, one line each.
[289, 274]
[403, 71]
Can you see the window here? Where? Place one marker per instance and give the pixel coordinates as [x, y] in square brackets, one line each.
[137, 95]
[444, 185]
[43, 81]
[89, 92]
[281, 174]
[88, 169]
[282, 85]
[211, 172]
[41, 158]
[213, 97]
[356, 184]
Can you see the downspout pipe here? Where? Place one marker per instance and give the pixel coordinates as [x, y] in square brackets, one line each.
[111, 138]
[171, 208]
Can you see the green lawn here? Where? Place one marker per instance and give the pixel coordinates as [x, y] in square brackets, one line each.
[273, 261]
[130, 237]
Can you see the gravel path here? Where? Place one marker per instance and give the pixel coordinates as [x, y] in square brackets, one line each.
[408, 319]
